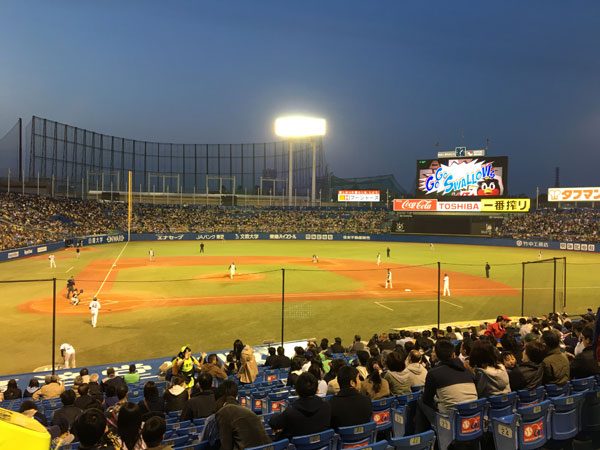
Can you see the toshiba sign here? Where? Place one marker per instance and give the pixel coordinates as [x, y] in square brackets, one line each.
[459, 206]
[415, 204]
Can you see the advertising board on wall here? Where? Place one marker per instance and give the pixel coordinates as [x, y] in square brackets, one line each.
[575, 194]
[358, 196]
[462, 177]
[494, 205]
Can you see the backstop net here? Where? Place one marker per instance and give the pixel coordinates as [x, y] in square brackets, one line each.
[544, 286]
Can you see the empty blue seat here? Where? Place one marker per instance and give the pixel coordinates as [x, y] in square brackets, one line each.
[356, 436]
[583, 384]
[323, 440]
[176, 441]
[421, 441]
[554, 390]
[527, 397]
[403, 415]
[502, 405]
[381, 445]
[283, 444]
[566, 423]
[275, 402]
[462, 423]
[382, 412]
[528, 428]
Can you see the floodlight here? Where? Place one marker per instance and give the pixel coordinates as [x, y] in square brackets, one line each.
[300, 126]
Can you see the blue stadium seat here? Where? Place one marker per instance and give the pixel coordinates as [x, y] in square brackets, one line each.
[531, 397]
[275, 402]
[382, 413]
[403, 415]
[176, 441]
[421, 441]
[590, 410]
[317, 441]
[381, 445]
[529, 428]
[283, 444]
[583, 384]
[554, 390]
[502, 405]
[356, 436]
[566, 417]
[462, 423]
[256, 401]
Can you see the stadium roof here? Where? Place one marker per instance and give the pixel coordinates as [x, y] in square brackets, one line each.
[381, 182]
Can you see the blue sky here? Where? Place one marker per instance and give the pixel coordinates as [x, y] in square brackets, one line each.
[392, 77]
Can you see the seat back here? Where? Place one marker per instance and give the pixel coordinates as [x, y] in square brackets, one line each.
[464, 422]
[421, 441]
[554, 390]
[502, 405]
[590, 410]
[535, 426]
[275, 402]
[323, 440]
[277, 445]
[381, 445]
[356, 436]
[583, 384]
[531, 397]
[566, 416]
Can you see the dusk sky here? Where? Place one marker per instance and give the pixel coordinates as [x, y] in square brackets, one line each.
[392, 78]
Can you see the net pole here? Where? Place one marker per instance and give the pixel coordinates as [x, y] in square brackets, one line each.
[282, 305]
[554, 287]
[439, 299]
[53, 325]
[129, 203]
[522, 289]
[565, 283]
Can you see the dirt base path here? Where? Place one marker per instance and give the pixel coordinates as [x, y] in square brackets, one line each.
[409, 282]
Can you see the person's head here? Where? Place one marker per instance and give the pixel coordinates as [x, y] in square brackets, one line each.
[205, 381]
[67, 398]
[83, 372]
[338, 340]
[131, 368]
[178, 380]
[357, 338]
[522, 321]
[414, 357]
[150, 391]
[34, 383]
[129, 423]
[444, 350]
[271, 351]
[280, 351]
[466, 346]
[89, 427]
[335, 365]
[11, 385]
[449, 329]
[154, 430]
[299, 351]
[508, 359]
[587, 336]
[296, 364]
[363, 357]
[324, 344]
[315, 369]
[550, 339]
[122, 391]
[306, 385]
[348, 377]
[227, 388]
[110, 372]
[238, 346]
[27, 405]
[110, 390]
[534, 351]
[483, 355]
[395, 361]
[77, 381]
[94, 378]
[83, 389]
[185, 352]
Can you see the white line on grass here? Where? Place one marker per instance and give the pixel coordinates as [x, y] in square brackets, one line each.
[453, 304]
[383, 306]
[111, 268]
[69, 269]
[408, 300]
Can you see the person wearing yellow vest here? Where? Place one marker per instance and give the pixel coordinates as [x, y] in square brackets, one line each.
[185, 363]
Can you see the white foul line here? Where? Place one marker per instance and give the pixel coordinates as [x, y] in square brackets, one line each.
[383, 306]
[69, 269]
[111, 268]
[453, 304]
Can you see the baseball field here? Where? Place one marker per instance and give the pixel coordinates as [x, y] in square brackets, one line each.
[150, 308]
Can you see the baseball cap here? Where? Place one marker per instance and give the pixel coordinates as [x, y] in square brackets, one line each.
[504, 317]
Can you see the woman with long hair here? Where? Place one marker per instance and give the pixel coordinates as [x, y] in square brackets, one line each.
[129, 427]
[491, 377]
[374, 386]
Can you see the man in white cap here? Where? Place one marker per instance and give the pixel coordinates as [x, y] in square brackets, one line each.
[94, 308]
[68, 353]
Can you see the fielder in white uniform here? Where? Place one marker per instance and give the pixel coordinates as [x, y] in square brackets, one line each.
[388, 280]
[68, 353]
[231, 270]
[151, 255]
[94, 308]
[52, 261]
[378, 259]
[446, 285]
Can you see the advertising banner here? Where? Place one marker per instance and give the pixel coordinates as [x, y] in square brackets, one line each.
[358, 196]
[577, 194]
[506, 205]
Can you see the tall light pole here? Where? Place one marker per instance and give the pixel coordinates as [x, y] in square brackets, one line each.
[295, 128]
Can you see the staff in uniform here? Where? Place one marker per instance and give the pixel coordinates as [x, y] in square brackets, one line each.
[185, 363]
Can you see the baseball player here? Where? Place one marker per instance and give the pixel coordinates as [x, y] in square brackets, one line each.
[51, 258]
[75, 298]
[446, 285]
[487, 270]
[388, 280]
[540, 255]
[94, 308]
[77, 252]
[201, 247]
[378, 259]
[68, 353]
[388, 251]
[151, 255]
[315, 258]
[231, 270]
[431, 247]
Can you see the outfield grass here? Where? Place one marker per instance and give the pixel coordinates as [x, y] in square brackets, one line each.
[160, 330]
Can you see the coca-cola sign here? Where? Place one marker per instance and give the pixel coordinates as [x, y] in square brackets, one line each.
[415, 204]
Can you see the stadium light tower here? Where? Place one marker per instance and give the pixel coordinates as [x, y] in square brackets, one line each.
[300, 127]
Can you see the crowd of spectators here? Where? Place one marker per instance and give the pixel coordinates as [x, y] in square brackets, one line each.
[30, 220]
[553, 224]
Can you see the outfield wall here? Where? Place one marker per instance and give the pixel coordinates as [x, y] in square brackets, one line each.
[586, 247]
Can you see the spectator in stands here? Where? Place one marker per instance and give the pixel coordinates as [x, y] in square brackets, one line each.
[85, 400]
[248, 367]
[271, 352]
[337, 346]
[395, 364]
[132, 376]
[585, 364]
[152, 403]
[498, 329]
[203, 404]
[448, 382]
[374, 386]
[85, 375]
[316, 369]
[89, 428]
[111, 399]
[465, 349]
[414, 373]
[529, 373]
[30, 409]
[509, 360]
[357, 346]
[52, 389]
[385, 343]
[68, 411]
[450, 334]
[238, 426]
[185, 364]
[78, 381]
[113, 412]
[510, 344]
[112, 379]
[363, 359]
[333, 386]
[95, 389]
[212, 367]
[309, 414]
[295, 372]
[176, 397]
[129, 427]
[491, 377]
[555, 364]
[349, 407]
[12, 391]
[280, 361]
[33, 386]
[153, 433]
[525, 326]
[65, 437]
